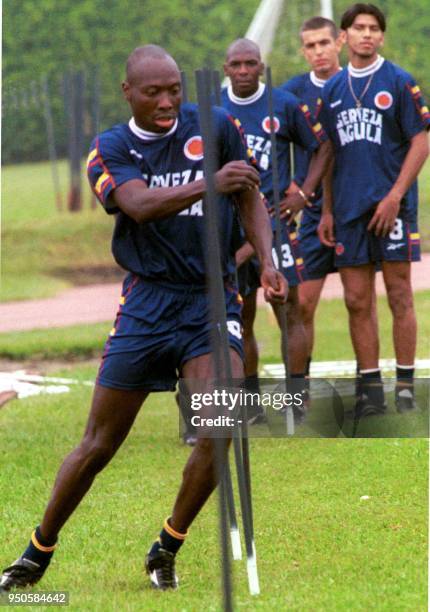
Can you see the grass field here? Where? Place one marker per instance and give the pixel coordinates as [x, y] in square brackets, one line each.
[44, 250]
[320, 547]
[332, 341]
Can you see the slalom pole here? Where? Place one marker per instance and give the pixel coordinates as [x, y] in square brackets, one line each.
[234, 529]
[278, 241]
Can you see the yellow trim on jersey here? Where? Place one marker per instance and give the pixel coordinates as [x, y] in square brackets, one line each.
[91, 155]
[305, 108]
[122, 300]
[424, 110]
[293, 236]
[416, 89]
[299, 261]
[39, 546]
[101, 180]
[173, 533]
[112, 331]
[237, 122]
[317, 127]
[415, 236]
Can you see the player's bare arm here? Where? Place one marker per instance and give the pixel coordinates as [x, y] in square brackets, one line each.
[326, 224]
[142, 204]
[297, 200]
[258, 231]
[245, 252]
[388, 208]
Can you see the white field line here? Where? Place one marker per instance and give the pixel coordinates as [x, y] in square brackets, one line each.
[323, 369]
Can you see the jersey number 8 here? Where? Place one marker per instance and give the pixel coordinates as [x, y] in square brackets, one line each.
[397, 231]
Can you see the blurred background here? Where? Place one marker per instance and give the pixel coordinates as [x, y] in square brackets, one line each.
[63, 63]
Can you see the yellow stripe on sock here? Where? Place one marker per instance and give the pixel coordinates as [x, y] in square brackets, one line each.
[39, 546]
[172, 532]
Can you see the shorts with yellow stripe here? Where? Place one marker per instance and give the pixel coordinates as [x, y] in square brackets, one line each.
[355, 245]
[292, 263]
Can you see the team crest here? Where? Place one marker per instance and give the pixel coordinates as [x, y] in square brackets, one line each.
[266, 124]
[193, 148]
[340, 249]
[383, 100]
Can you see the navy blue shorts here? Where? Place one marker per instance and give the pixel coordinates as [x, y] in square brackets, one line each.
[319, 259]
[248, 276]
[356, 246]
[157, 330]
[293, 267]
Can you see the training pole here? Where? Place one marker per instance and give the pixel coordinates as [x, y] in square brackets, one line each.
[278, 242]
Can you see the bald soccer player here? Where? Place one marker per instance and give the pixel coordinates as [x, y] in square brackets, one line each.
[149, 174]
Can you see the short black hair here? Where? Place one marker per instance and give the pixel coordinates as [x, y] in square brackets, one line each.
[316, 23]
[360, 8]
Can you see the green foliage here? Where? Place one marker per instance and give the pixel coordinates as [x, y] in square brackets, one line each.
[53, 36]
[407, 40]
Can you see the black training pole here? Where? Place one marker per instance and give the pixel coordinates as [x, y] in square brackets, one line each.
[239, 451]
[47, 111]
[234, 530]
[278, 232]
[220, 351]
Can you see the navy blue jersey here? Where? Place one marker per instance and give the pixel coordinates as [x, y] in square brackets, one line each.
[307, 87]
[169, 250]
[371, 117]
[293, 123]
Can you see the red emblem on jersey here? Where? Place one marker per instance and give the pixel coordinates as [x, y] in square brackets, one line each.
[193, 148]
[340, 249]
[265, 124]
[383, 100]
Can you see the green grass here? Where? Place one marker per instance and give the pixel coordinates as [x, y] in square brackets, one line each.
[332, 341]
[319, 546]
[44, 250]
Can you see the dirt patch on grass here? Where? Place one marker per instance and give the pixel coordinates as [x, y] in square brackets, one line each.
[45, 366]
[90, 275]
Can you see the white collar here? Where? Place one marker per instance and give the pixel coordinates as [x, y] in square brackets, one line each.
[243, 101]
[317, 81]
[368, 70]
[150, 136]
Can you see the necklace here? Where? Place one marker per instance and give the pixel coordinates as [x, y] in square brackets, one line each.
[358, 100]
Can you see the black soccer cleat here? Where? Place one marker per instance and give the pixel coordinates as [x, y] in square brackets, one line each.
[405, 401]
[160, 567]
[365, 407]
[20, 574]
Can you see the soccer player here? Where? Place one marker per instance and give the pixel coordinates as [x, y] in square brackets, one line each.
[321, 46]
[149, 174]
[247, 100]
[375, 115]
